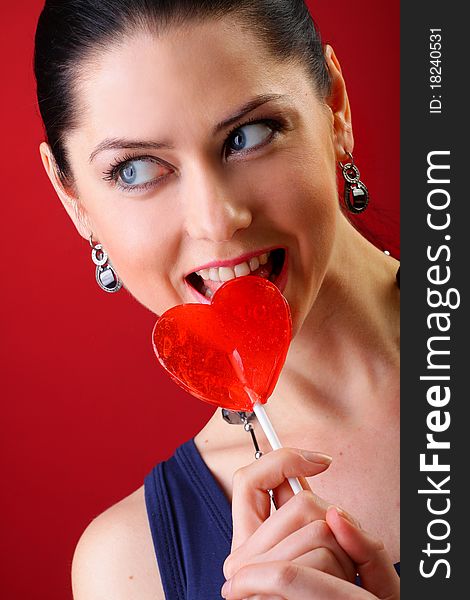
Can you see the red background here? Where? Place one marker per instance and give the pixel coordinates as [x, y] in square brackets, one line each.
[86, 411]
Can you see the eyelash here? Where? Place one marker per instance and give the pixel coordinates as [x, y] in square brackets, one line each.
[112, 174]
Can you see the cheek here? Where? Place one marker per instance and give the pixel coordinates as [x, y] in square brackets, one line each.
[301, 201]
[300, 195]
[142, 238]
[313, 222]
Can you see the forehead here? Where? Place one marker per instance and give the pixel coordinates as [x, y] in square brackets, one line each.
[186, 78]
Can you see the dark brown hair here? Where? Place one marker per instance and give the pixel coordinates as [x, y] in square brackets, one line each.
[70, 31]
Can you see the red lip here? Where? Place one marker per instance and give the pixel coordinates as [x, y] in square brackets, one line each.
[234, 261]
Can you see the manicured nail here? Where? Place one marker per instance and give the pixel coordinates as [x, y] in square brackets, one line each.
[226, 588]
[347, 516]
[316, 457]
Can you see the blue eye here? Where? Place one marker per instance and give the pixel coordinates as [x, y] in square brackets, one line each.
[128, 173]
[250, 135]
[136, 172]
[139, 171]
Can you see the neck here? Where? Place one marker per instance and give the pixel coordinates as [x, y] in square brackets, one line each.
[346, 355]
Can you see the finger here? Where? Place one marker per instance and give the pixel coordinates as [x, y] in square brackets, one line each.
[250, 502]
[322, 559]
[292, 582]
[308, 546]
[374, 565]
[316, 535]
[301, 510]
[284, 492]
[264, 597]
[295, 529]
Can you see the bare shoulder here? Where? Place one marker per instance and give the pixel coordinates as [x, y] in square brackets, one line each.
[115, 557]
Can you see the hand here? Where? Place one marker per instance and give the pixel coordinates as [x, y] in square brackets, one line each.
[374, 565]
[297, 531]
[301, 550]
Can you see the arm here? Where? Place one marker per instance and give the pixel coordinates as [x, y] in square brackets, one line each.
[115, 558]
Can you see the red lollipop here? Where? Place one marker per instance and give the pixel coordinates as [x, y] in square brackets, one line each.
[231, 352]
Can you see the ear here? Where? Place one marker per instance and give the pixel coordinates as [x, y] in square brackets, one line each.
[67, 194]
[338, 103]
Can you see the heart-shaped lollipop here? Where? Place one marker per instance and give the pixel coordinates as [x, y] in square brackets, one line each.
[229, 353]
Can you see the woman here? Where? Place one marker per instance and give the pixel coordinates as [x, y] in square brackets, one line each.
[199, 141]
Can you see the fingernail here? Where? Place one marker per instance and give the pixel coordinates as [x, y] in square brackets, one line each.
[347, 516]
[226, 588]
[316, 457]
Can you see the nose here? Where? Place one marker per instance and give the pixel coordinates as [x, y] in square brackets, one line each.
[214, 211]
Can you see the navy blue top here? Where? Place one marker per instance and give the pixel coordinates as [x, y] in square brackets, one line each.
[191, 523]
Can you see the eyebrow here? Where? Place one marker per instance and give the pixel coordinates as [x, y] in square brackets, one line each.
[121, 143]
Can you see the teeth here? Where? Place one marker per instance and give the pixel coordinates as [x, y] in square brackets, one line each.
[241, 269]
[254, 263]
[227, 273]
[214, 274]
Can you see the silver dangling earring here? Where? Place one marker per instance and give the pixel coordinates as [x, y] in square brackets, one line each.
[356, 195]
[106, 276]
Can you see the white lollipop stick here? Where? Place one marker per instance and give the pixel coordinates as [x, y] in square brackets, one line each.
[273, 440]
[258, 409]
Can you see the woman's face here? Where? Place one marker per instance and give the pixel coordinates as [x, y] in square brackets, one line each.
[169, 191]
